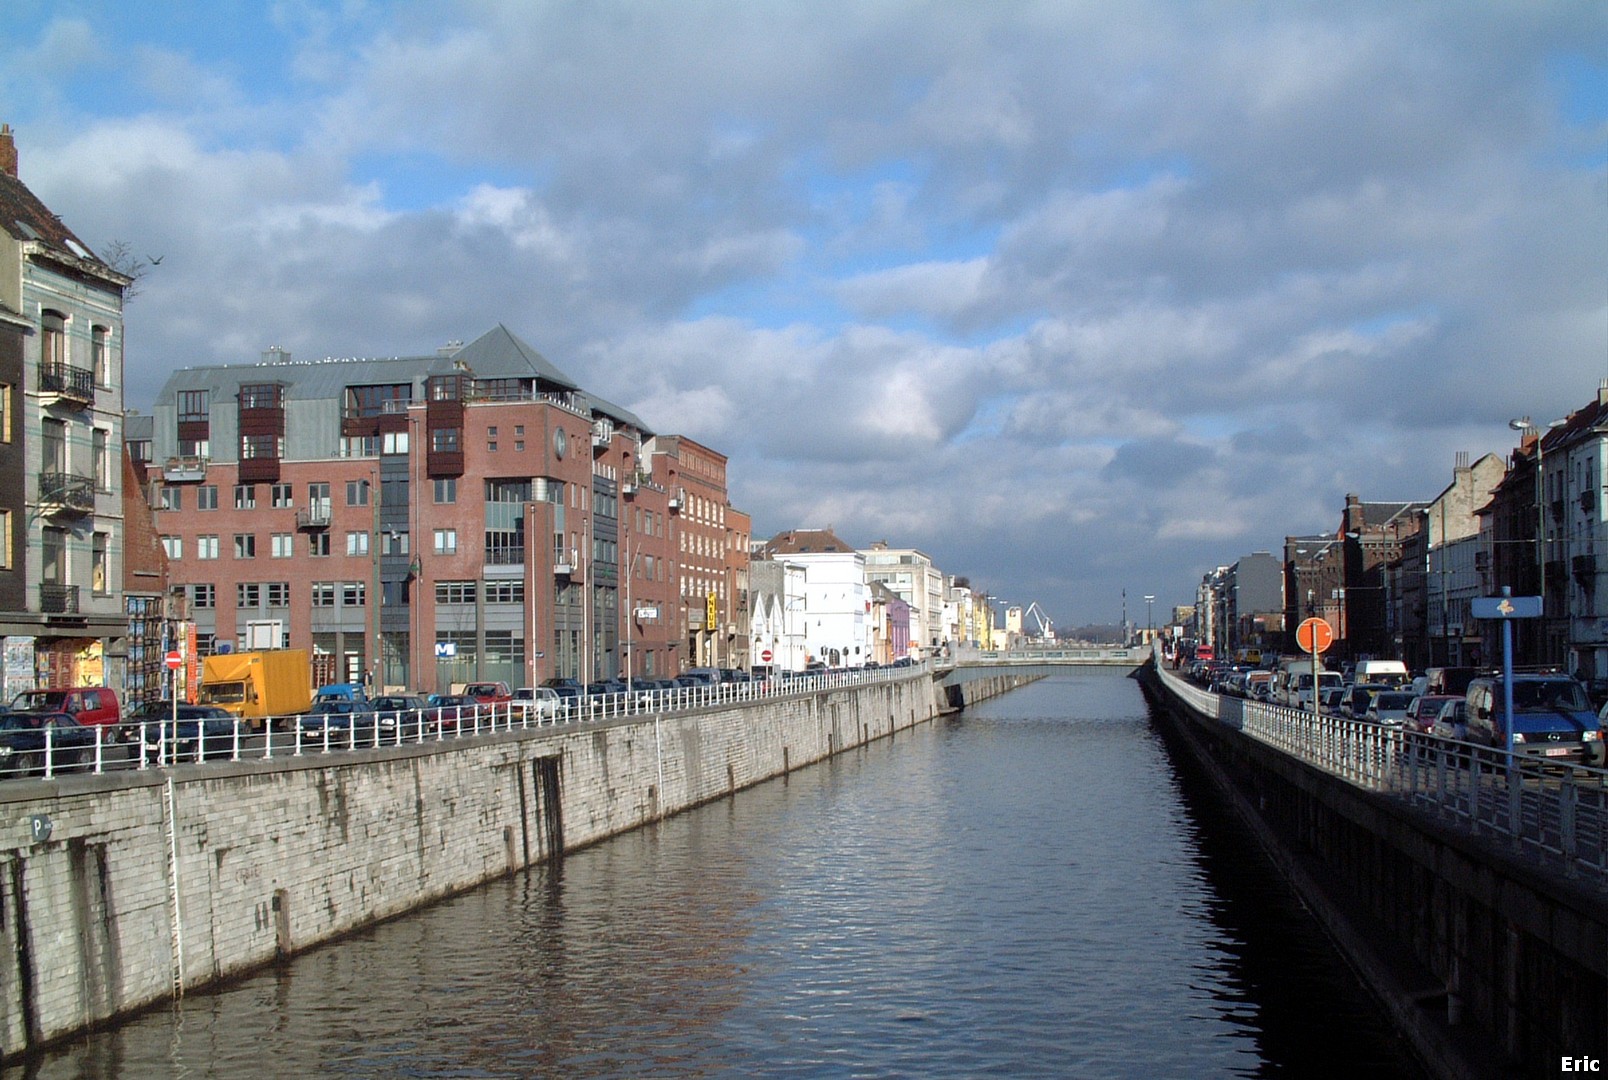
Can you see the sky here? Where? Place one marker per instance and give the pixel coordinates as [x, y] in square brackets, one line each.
[1077, 297]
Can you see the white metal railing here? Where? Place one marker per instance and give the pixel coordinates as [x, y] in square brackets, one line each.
[50, 753]
[1558, 810]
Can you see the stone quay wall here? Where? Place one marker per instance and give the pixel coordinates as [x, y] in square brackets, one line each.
[120, 890]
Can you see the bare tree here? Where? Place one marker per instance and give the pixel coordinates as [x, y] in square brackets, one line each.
[119, 255]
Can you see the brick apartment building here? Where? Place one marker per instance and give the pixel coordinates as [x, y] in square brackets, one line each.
[430, 520]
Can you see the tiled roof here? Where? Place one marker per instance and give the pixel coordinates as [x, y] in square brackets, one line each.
[806, 542]
[25, 219]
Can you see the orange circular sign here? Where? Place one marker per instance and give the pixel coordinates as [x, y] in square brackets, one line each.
[1314, 635]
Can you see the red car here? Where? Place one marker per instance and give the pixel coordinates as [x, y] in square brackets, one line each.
[489, 693]
[1422, 712]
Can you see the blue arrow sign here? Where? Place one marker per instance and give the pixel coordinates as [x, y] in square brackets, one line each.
[1506, 607]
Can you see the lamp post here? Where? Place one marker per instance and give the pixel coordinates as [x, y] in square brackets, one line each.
[1150, 631]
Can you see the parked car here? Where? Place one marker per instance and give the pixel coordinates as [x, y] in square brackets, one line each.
[1425, 708]
[543, 701]
[1359, 697]
[1389, 708]
[489, 693]
[92, 706]
[408, 714]
[1552, 717]
[1332, 699]
[1452, 720]
[199, 731]
[25, 736]
[344, 723]
[453, 712]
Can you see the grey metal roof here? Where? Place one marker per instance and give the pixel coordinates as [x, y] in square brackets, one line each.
[500, 354]
[138, 427]
[592, 403]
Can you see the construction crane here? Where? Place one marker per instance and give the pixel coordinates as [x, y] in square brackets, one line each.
[1046, 627]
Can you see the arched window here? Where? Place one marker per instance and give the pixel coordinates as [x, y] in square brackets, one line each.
[52, 339]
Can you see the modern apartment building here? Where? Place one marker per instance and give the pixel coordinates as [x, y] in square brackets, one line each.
[61, 426]
[910, 575]
[430, 520]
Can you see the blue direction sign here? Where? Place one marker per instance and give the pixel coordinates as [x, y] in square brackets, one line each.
[1506, 607]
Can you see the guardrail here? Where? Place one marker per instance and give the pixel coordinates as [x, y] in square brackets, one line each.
[50, 752]
[1555, 810]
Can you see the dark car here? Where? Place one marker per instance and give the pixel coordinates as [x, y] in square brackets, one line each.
[402, 716]
[1425, 708]
[27, 739]
[346, 723]
[454, 712]
[1552, 718]
[200, 731]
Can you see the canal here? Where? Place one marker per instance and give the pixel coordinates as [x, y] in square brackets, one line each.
[1030, 888]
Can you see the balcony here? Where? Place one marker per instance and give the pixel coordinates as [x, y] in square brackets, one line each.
[67, 383]
[678, 498]
[313, 517]
[505, 555]
[61, 492]
[184, 470]
[58, 599]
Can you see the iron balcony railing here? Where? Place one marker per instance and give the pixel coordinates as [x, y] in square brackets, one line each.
[58, 599]
[66, 491]
[71, 382]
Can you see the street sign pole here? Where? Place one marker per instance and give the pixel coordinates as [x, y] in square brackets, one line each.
[1507, 680]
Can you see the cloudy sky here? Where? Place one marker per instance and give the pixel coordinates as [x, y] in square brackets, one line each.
[1077, 296]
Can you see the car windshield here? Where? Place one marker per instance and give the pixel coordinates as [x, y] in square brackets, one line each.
[1549, 696]
[39, 699]
[1393, 701]
[223, 692]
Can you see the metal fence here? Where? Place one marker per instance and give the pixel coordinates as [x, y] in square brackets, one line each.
[51, 752]
[1555, 810]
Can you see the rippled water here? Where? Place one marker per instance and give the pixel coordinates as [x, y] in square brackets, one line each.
[1027, 890]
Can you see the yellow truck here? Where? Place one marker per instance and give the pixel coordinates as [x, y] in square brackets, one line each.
[256, 685]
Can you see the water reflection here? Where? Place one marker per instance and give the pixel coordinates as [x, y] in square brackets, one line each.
[1029, 890]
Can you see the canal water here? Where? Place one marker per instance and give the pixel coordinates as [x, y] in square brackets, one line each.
[1030, 888]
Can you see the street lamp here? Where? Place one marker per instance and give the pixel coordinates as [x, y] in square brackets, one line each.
[1524, 424]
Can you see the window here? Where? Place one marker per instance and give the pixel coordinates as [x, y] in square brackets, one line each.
[204, 596]
[394, 442]
[246, 497]
[282, 496]
[206, 497]
[100, 355]
[193, 406]
[282, 546]
[491, 439]
[206, 547]
[370, 401]
[195, 448]
[444, 440]
[323, 594]
[254, 447]
[455, 592]
[394, 543]
[318, 502]
[172, 499]
[353, 594]
[245, 545]
[173, 547]
[5, 413]
[103, 461]
[318, 544]
[248, 594]
[357, 493]
[446, 541]
[505, 592]
[6, 552]
[357, 543]
[446, 491]
[259, 396]
[279, 594]
[52, 339]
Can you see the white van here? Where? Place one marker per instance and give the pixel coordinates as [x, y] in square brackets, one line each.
[1387, 672]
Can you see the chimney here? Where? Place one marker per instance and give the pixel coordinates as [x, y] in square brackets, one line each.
[8, 151]
[1602, 387]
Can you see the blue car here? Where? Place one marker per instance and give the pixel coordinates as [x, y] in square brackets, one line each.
[25, 736]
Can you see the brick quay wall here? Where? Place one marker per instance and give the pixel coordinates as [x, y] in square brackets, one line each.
[117, 890]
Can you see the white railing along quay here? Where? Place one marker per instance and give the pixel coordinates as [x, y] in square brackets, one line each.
[50, 752]
[1552, 809]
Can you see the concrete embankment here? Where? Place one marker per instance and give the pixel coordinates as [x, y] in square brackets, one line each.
[1488, 964]
[118, 890]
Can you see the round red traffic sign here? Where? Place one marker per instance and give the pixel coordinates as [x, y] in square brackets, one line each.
[765, 656]
[1314, 635]
[174, 660]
